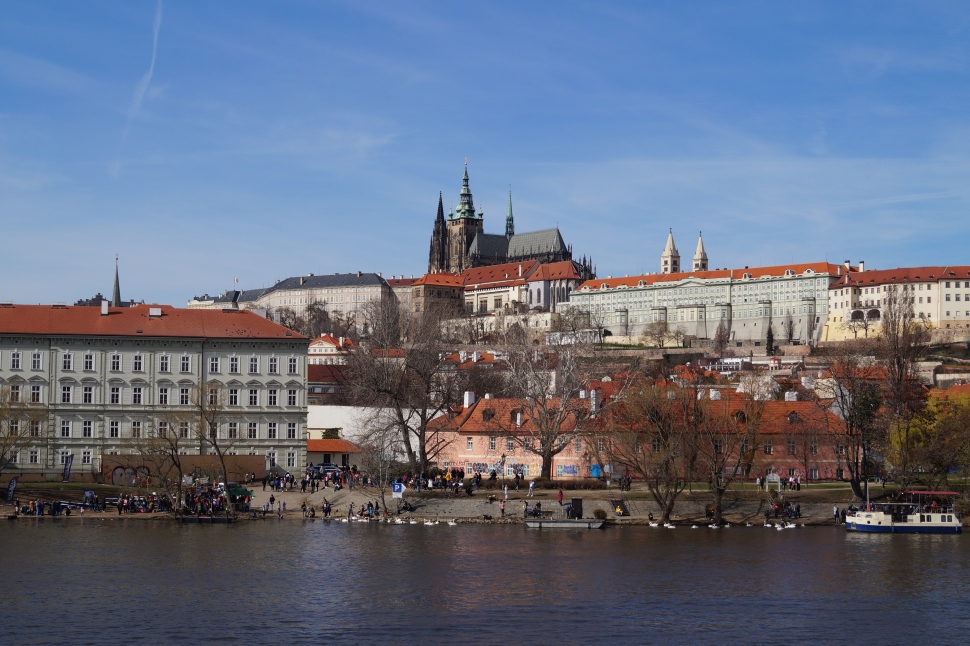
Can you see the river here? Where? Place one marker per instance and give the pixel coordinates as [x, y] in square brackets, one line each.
[134, 581]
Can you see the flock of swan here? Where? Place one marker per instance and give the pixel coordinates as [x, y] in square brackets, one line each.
[778, 526]
[397, 521]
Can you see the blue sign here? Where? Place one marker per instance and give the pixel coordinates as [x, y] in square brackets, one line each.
[397, 490]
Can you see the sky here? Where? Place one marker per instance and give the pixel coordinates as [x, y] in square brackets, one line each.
[203, 142]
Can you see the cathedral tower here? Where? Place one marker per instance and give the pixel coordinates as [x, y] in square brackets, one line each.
[438, 255]
[700, 256]
[463, 226]
[670, 260]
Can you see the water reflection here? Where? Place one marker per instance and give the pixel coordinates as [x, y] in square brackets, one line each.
[301, 581]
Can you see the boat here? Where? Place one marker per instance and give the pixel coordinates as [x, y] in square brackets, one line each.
[924, 512]
[564, 523]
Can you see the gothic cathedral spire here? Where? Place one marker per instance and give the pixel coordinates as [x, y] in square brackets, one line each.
[116, 292]
[438, 255]
[509, 222]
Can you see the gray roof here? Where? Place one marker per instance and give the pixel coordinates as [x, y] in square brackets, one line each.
[489, 245]
[536, 242]
[308, 282]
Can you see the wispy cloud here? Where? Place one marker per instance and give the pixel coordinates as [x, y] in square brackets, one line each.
[38, 73]
[114, 169]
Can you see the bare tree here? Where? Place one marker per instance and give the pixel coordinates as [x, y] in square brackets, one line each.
[379, 458]
[17, 419]
[721, 339]
[788, 328]
[657, 332]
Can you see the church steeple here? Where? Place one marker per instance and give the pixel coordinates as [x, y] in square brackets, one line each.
[509, 221]
[700, 256]
[438, 254]
[670, 260]
[466, 205]
[116, 292]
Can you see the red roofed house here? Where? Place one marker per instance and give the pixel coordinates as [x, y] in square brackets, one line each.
[104, 378]
[342, 453]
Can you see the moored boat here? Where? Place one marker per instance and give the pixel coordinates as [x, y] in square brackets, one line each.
[564, 523]
[925, 512]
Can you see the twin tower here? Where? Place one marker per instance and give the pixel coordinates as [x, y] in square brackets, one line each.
[670, 260]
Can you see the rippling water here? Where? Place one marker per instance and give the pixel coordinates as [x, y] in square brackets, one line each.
[132, 581]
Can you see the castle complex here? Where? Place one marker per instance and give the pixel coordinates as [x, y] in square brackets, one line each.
[460, 242]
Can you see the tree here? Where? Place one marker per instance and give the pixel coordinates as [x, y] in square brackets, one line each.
[770, 340]
[649, 436]
[721, 339]
[657, 332]
[902, 342]
[788, 328]
[399, 371]
[379, 458]
[19, 420]
[163, 451]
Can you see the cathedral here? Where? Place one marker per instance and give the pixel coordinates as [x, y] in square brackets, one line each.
[460, 242]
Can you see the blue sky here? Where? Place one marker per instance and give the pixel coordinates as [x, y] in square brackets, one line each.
[203, 141]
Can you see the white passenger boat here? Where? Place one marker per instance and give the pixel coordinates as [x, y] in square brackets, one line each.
[924, 512]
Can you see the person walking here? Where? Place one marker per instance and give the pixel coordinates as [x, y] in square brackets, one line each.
[532, 488]
[559, 497]
[501, 508]
[835, 512]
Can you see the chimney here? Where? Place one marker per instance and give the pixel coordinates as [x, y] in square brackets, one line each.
[469, 398]
[520, 270]
[104, 308]
[475, 357]
[862, 265]
[791, 396]
[341, 342]
[518, 419]
[302, 280]
[582, 394]
[488, 395]
[847, 265]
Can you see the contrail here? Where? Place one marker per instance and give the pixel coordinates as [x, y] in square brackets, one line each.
[140, 89]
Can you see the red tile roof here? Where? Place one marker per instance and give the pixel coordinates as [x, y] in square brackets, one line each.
[59, 320]
[499, 273]
[334, 341]
[555, 271]
[401, 282]
[734, 274]
[441, 280]
[326, 374]
[331, 446]
[900, 275]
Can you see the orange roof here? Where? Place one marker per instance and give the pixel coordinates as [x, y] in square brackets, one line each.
[401, 282]
[900, 275]
[555, 271]
[732, 274]
[331, 446]
[334, 341]
[441, 280]
[960, 391]
[498, 273]
[57, 320]
[326, 374]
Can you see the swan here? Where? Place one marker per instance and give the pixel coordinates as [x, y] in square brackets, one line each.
[655, 524]
[747, 524]
[452, 523]
[693, 527]
[413, 522]
[669, 525]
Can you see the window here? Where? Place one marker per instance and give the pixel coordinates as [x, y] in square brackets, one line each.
[291, 366]
[89, 362]
[509, 444]
[35, 361]
[162, 427]
[15, 361]
[744, 447]
[813, 448]
[115, 395]
[253, 397]
[183, 430]
[35, 428]
[600, 445]
[66, 394]
[213, 434]
[579, 445]
[86, 456]
[213, 364]
[271, 459]
[251, 431]
[718, 446]
[213, 396]
[253, 365]
[64, 456]
[274, 366]
[839, 473]
[186, 363]
[136, 363]
[291, 397]
[15, 393]
[291, 430]
[491, 444]
[272, 397]
[136, 395]
[163, 363]
[67, 362]
[87, 394]
[114, 429]
[271, 431]
[234, 365]
[469, 444]
[840, 449]
[33, 456]
[947, 298]
[65, 428]
[163, 396]
[233, 396]
[136, 428]
[291, 459]
[233, 430]
[790, 447]
[183, 396]
[116, 362]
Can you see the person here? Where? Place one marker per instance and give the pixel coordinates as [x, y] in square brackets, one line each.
[532, 488]
[505, 490]
[559, 497]
[835, 512]
[501, 508]
[525, 509]
[350, 511]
